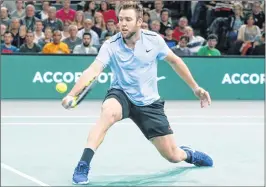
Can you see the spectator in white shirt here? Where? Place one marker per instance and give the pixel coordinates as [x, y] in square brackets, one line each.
[38, 33]
[85, 47]
[195, 42]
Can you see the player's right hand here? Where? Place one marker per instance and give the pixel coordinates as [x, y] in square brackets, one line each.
[67, 102]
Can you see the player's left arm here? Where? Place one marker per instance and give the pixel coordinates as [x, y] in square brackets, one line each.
[182, 70]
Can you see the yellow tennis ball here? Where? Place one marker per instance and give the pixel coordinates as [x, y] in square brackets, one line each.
[61, 87]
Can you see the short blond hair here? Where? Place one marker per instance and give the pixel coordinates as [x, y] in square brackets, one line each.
[132, 5]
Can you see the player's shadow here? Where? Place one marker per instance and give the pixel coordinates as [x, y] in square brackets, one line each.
[164, 178]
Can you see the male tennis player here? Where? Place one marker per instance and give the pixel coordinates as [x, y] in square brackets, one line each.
[131, 55]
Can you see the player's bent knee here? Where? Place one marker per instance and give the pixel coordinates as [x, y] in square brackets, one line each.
[112, 110]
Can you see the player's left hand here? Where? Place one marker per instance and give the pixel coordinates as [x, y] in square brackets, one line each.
[204, 97]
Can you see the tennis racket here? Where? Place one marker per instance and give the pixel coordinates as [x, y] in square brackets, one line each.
[76, 100]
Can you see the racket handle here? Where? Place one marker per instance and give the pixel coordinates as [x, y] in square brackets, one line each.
[69, 102]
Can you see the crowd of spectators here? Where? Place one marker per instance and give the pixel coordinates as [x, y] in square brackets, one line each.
[203, 28]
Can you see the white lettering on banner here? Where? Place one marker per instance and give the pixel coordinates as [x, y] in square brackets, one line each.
[244, 78]
[67, 77]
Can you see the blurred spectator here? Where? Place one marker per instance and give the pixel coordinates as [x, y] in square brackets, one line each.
[52, 22]
[79, 20]
[7, 46]
[146, 18]
[38, 34]
[235, 21]
[99, 24]
[165, 14]
[182, 49]
[48, 34]
[29, 46]
[3, 30]
[89, 9]
[117, 28]
[169, 36]
[66, 14]
[111, 30]
[65, 32]
[195, 42]
[87, 28]
[22, 36]
[155, 26]
[56, 47]
[107, 12]
[180, 29]
[259, 46]
[145, 26]
[43, 14]
[20, 11]
[209, 49]
[72, 41]
[155, 14]
[29, 20]
[10, 5]
[4, 17]
[85, 47]
[14, 29]
[258, 14]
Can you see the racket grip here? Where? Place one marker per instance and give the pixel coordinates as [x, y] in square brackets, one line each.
[70, 102]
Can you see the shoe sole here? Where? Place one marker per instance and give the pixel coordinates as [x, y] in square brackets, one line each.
[81, 183]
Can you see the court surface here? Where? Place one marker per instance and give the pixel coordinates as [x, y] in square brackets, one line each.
[41, 144]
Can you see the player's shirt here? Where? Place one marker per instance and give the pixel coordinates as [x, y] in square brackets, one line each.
[135, 70]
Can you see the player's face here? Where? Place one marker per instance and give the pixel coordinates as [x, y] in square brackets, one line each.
[128, 22]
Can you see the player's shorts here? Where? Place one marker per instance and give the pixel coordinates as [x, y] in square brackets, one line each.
[150, 119]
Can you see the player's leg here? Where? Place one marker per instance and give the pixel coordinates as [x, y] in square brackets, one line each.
[114, 108]
[154, 124]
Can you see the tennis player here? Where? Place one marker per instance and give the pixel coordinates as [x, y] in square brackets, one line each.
[132, 56]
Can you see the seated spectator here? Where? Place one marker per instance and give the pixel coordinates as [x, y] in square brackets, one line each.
[259, 46]
[43, 14]
[72, 41]
[89, 9]
[146, 18]
[14, 29]
[165, 14]
[155, 13]
[3, 30]
[22, 36]
[145, 26]
[79, 20]
[155, 27]
[195, 42]
[56, 47]
[38, 34]
[99, 24]
[65, 32]
[181, 49]
[66, 14]
[52, 22]
[235, 21]
[111, 30]
[169, 36]
[85, 47]
[209, 49]
[29, 46]
[20, 11]
[48, 34]
[247, 34]
[95, 41]
[107, 12]
[29, 20]
[4, 17]
[10, 5]
[6, 47]
[258, 15]
[180, 29]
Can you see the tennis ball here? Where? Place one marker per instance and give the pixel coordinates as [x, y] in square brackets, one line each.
[61, 87]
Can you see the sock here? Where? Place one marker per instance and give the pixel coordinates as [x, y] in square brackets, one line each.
[87, 155]
[189, 157]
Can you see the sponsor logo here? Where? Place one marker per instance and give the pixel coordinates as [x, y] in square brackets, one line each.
[244, 78]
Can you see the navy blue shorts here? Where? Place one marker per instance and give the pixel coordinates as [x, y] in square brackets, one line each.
[150, 119]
